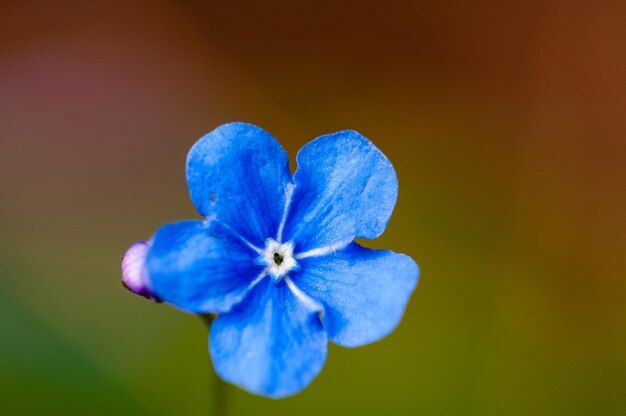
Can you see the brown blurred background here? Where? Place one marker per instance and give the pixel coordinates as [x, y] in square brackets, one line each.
[506, 122]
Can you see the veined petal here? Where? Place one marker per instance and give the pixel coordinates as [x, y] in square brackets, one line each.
[345, 188]
[200, 267]
[239, 174]
[364, 292]
[271, 344]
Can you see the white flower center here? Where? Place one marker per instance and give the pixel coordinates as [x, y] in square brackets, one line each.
[278, 258]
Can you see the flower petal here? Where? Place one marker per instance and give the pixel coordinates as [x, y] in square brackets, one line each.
[364, 292]
[345, 188]
[200, 267]
[240, 174]
[271, 344]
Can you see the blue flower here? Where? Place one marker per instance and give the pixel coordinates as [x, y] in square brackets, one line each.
[275, 256]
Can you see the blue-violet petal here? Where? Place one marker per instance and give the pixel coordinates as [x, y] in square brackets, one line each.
[239, 174]
[364, 292]
[272, 344]
[345, 188]
[200, 267]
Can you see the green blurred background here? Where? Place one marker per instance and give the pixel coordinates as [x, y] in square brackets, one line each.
[506, 122]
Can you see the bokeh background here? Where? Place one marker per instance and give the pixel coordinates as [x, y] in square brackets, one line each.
[506, 122]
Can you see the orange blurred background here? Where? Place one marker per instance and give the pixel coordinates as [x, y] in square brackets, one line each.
[506, 122]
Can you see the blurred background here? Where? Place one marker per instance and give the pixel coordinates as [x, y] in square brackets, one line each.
[506, 122]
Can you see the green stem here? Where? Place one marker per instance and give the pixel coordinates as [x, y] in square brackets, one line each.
[219, 390]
